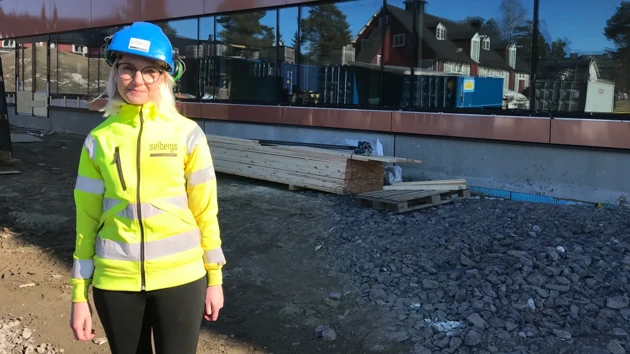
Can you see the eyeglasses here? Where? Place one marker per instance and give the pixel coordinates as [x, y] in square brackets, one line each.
[128, 72]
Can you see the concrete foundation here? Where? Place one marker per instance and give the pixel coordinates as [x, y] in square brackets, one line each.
[577, 173]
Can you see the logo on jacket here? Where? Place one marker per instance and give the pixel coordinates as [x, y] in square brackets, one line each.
[160, 146]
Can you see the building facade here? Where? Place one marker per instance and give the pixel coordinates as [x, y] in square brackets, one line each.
[382, 67]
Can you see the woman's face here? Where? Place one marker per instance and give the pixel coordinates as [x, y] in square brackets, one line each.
[138, 79]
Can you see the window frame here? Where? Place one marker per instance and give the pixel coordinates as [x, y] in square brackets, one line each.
[396, 37]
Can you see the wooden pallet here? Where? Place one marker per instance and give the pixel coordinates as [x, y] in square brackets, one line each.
[403, 201]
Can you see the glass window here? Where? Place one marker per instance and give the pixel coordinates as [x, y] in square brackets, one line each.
[103, 68]
[71, 50]
[205, 52]
[40, 59]
[583, 66]
[287, 60]
[7, 53]
[246, 66]
[93, 54]
[341, 45]
[184, 37]
[25, 64]
[457, 56]
[53, 77]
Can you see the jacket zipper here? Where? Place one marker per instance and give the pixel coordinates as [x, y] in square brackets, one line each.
[139, 209]
[119, 168]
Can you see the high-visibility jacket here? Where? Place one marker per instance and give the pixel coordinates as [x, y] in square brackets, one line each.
[146, 205]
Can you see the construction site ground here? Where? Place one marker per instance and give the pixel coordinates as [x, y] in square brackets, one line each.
[473, 276]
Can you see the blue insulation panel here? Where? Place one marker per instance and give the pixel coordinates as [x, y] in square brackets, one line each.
[531, 198]
[496, 193]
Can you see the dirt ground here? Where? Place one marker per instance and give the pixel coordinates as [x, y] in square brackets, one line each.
[275, 284]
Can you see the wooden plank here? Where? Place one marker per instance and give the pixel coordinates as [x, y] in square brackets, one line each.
[444, 181]
[349, 155]
[229, 139]
[426, 187]
[438, 199]
[316, 167]
[271, 151]
[395, 197]
[274, 175]
[410, 200]
[275, 178]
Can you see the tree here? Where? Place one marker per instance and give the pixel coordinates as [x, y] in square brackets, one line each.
[492, 27]
[522, 37]
[294, 40]
[245, 29]
[557, 49]
[616, 31]
[325, 30]
[616, 28]
[513, 16]
[167, 28]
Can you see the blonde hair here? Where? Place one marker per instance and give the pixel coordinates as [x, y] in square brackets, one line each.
[165, 101]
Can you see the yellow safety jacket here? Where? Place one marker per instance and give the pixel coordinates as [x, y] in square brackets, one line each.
[146, 205]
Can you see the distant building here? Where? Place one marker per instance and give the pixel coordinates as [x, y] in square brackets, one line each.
[448, 47]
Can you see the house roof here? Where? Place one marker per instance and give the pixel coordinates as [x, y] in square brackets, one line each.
[456, 31]
[444, 49]
[492, 59]
[370, 47]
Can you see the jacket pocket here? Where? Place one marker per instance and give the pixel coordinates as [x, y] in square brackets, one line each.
[119, 168]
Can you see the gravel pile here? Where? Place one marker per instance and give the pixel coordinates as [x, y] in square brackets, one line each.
[490, 276]
[16, 338]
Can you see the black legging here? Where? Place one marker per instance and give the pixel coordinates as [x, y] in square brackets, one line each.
[174, 315]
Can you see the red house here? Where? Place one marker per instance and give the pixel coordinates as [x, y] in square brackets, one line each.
[448, 47]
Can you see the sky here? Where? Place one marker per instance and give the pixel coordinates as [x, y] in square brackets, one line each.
[579, 21]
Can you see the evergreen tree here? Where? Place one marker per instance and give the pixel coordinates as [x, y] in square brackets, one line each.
[325, 30]
[522, 37]
[616, 30]
[557, 49]
[245, 29]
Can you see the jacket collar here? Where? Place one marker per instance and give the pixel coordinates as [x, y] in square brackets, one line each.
[130, 111]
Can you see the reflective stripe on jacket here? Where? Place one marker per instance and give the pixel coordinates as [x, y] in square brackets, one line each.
[146, 205]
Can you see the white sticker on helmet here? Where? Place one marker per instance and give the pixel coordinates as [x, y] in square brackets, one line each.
[139, 44]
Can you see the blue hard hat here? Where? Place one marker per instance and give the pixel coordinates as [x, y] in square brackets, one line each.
[143, 39]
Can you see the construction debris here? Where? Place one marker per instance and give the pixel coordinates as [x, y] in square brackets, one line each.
[328, 170]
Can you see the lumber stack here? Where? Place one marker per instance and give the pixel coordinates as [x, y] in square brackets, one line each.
[334, 171]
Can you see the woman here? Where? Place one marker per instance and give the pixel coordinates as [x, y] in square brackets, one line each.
[146, 208]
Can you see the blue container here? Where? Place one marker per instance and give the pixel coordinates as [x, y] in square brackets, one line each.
[308, 78]
[479, 92]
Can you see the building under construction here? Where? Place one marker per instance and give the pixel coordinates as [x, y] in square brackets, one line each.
[454, 92]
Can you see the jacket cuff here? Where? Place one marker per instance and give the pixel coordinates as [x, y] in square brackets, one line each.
[215, 277]
[80, 292]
